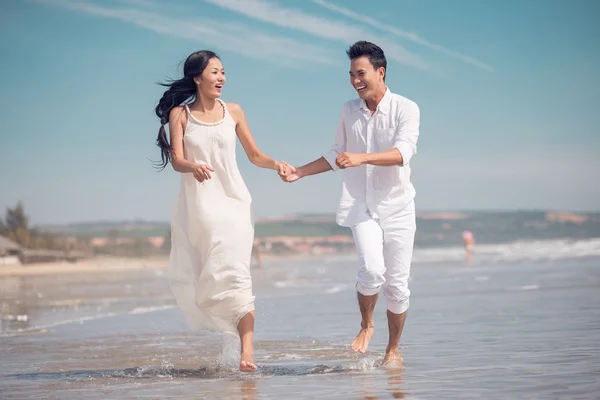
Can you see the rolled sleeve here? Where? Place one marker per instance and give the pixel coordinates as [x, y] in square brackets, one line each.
[330, 156]
[340, 144]
[408, 132]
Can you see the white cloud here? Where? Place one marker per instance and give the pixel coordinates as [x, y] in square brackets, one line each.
[321, 27]
[403, 34]
[237, 38]
[141, 3]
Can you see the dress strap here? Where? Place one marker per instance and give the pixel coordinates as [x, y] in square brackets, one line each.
[226, 113]
[187, 120]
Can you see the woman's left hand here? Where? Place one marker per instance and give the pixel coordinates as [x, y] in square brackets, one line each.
[284, 169]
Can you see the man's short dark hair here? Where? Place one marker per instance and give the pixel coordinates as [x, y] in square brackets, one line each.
[371, 51]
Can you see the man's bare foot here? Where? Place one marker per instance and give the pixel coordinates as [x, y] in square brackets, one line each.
[392, 359]
[363, 338]
[246, 364]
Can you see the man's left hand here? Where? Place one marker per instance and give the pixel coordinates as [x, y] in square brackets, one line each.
[346, 160]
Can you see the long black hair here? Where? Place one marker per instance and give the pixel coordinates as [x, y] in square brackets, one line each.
[178, 91]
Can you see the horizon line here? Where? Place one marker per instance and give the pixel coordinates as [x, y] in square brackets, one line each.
[329, 214]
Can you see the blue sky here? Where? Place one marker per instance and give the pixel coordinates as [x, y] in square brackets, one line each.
[509, 95]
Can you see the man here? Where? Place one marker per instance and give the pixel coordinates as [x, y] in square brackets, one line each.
[375, 140]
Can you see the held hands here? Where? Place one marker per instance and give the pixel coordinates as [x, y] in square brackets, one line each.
[202, 172]
[287, 172]
[346, 160]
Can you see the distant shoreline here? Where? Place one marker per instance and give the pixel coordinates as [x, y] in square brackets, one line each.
[93, 265]
[114, 264]
[518, 250]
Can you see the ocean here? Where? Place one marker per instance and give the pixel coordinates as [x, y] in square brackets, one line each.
[522, 321]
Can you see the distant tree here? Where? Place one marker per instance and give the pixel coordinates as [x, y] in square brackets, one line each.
[16, 219]
[16, 225]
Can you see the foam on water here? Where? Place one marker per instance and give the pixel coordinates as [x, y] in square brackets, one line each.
[84, 319]
[42, 328]
[144, 310]
[523, 250]
[530, 287]
[338, 288]
[534, 250]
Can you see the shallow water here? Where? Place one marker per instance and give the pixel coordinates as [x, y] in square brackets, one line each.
[518, 329]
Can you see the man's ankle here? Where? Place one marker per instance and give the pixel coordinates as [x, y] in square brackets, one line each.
[392, 349]
[367, 324]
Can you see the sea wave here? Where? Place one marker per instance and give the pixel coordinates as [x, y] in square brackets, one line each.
[532, 250]
[522, 250]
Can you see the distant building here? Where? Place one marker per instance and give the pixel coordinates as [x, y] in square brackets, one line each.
[8, 247]
[9, 252]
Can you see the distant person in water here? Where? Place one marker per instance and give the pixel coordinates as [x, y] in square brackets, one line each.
[211, 221]
[258, 255]
[260, 249]
[375, 140]
[469, 244]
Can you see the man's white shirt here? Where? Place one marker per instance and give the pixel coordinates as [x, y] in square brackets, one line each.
[370, 191]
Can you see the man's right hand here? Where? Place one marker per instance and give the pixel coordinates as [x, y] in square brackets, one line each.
[290, 175]
[293, 177]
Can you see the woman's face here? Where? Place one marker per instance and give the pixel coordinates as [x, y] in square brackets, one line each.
[211, 82]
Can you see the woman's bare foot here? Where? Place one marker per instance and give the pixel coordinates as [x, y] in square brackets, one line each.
[363, 338]
[246, 364]
[246, 330]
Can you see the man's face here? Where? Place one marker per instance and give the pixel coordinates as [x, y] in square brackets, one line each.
[365, 79]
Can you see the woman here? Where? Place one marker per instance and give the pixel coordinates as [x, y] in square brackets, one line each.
[212, 228]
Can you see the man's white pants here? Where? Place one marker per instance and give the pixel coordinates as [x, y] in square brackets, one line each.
[385, 249]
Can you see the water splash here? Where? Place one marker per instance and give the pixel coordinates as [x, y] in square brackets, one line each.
[364, 364]
[230, 352]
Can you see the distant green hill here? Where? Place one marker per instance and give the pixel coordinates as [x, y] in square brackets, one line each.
[134, 229]
[299, 228]
[433, 228]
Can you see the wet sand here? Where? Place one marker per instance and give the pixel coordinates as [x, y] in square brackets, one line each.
[493, 330]
[97, 264]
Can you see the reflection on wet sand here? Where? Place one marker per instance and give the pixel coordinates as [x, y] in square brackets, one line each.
[369, 386]
[248, 389]
[14, 308]
[395, 382]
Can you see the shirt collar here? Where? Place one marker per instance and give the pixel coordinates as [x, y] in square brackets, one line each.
[383, 106]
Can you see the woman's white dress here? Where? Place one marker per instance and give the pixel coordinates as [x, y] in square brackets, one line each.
[212, 231]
